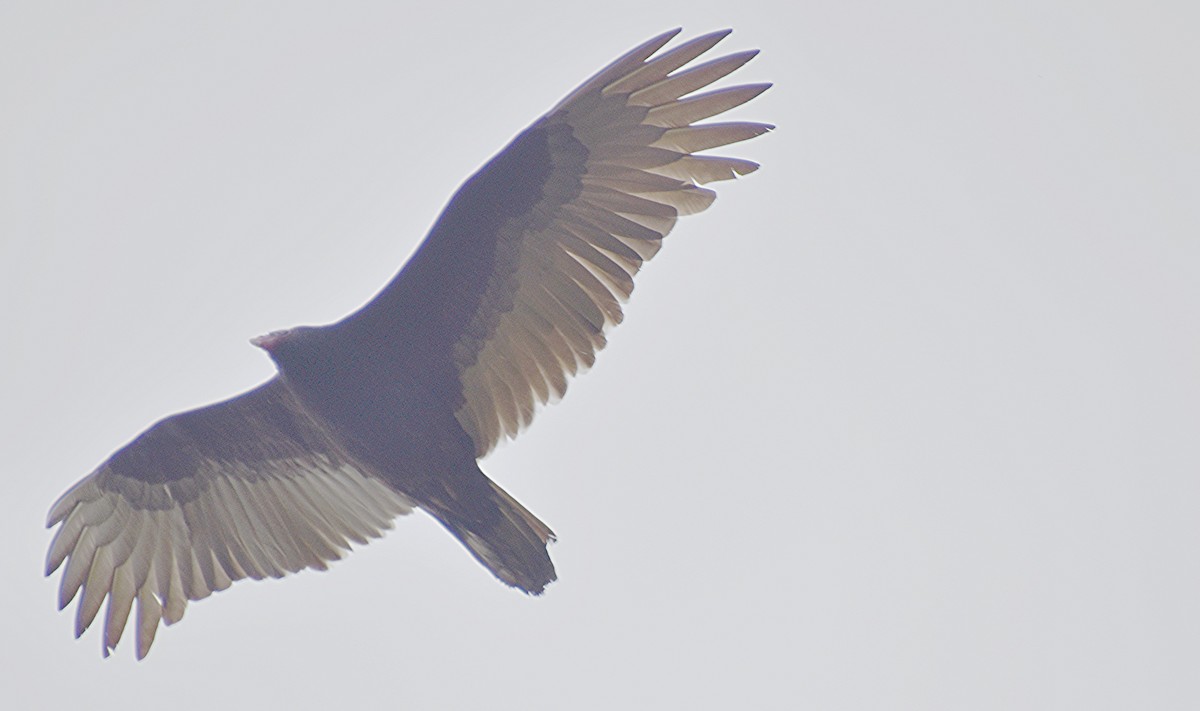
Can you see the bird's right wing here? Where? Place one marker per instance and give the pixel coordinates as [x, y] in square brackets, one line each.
[246, 488]
[516, 285]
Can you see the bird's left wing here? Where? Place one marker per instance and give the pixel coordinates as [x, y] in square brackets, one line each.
[514, 287]
[247, 488]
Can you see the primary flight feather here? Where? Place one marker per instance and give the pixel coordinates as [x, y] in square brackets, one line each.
[388, 409]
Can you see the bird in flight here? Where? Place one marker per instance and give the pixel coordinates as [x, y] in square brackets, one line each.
[389, 409]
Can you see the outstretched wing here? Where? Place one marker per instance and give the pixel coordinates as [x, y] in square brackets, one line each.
[246, 488]
[513, 289]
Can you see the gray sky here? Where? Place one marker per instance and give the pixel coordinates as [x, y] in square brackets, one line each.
[908, 420]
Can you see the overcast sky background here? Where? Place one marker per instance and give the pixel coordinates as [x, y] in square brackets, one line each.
[910, 419]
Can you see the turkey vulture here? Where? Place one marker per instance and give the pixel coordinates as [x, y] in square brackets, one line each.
[388, 409]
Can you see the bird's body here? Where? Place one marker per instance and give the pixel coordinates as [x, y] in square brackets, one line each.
[389, 409]
[389, 421]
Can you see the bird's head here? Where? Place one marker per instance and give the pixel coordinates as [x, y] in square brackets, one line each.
[271, 341]
[285, 344]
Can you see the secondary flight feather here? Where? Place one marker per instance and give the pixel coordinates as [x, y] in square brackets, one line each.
[387, 410]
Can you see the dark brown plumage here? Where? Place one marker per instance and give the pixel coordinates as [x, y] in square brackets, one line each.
[390, 408]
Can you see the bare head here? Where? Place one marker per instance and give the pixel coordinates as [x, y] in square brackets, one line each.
[280, 345]
[271, 341]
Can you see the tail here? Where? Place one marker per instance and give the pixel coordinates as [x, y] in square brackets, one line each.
[514, 545]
